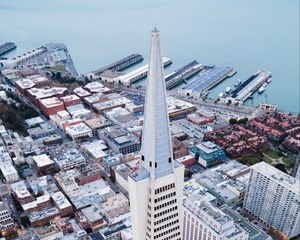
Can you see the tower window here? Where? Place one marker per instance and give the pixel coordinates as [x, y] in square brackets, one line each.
[143, 158]
[155, 164]
[150, 164]
[170, 160]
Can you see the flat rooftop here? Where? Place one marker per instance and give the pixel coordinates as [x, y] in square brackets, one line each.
[280, 177]
[254, 232]
[208, 77]
[42, 160]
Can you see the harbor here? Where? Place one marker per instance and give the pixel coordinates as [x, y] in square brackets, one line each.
[208, 78]
[120, 64]
[182, 74]
[257, 82]
[137, 74]
[7, 47]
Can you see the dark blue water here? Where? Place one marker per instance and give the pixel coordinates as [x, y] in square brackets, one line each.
[248, 35]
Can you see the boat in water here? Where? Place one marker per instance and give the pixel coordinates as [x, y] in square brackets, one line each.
[261, 89]
[269, 80]
[237, 83]
[228, 89]
[221, 94]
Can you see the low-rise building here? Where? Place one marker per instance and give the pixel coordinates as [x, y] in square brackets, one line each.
[95, 149]
[62, 203]
[95, 98]
[89, 173]
[66, 181]
[209, 154]
[44, 164]
[202, 220]
[78, 111]
[49, 232]
[36, 94]
[80, 130]
[9, 172]
[71, 158]
[81, 93]
[21, 192]
[101, 107]
[38, 204]
[227, 182]
[119, 140]
[91, 217]
[97, 87]
[70, 100]
[43, 216]
[201, 117]
[6, 221]
[187, 160]
[50, 106]
[113, 212]
[121, 175]
[97, 123]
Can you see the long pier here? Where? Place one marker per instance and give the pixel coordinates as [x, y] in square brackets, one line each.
[209, 77]
[6, 47]
[183, 73]
[250, 86]
[121, 64]
[137, 74]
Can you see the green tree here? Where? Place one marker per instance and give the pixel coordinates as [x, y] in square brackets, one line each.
[232, 121]
[242, 121]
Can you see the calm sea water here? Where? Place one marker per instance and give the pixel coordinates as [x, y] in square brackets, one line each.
[246, 34]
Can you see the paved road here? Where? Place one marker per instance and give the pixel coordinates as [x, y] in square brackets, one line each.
[247, 110]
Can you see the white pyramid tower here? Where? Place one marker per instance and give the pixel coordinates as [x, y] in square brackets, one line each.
[156, 189]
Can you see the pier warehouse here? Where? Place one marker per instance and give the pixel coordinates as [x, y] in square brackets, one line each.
[206, 80]
[118, 65]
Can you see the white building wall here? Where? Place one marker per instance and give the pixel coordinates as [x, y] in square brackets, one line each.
[148, 215]
[270, 200]
[139, 193]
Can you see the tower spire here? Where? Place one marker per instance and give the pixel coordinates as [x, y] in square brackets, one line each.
[156, 142]
[155, 190]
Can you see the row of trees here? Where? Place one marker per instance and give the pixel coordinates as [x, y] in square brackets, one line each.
[240, 121]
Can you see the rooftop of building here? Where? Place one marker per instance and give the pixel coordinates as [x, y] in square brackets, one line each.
[220, 184]
[25, 83]
[44, 213]
[95, 148]
[8, 169]
[20, 189]
[277, 175]
[253, 231]
[94, 87]
[97, 122]
[60, 200]
[92, 213]
[40, 93]
[77, 128]
[51, 102]
[71, 97]
[80, 92]
[42, 160]
[34, 121]
[39, 200]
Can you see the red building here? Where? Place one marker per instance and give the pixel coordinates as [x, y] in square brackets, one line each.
[50, 106]
[70, 100]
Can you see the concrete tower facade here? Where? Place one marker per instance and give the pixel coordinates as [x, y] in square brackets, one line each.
[156, 189]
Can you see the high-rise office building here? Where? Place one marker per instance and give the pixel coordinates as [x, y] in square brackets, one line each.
[156, 189]
[273, 197]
